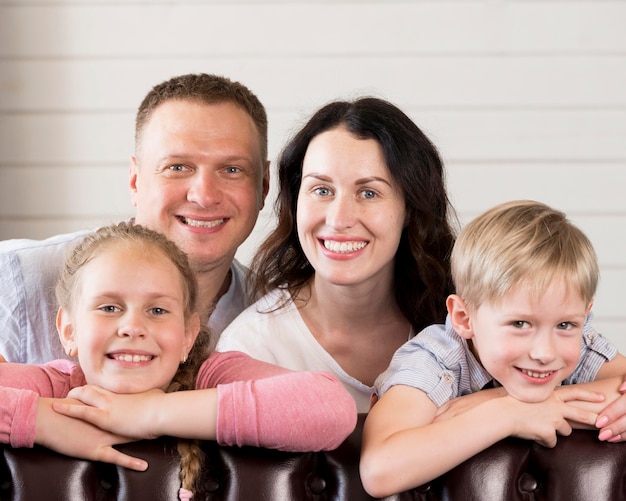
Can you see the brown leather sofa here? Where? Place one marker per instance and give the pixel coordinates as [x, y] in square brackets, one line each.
[579, 468]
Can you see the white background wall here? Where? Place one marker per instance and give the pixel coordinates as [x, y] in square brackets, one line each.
[525, 99]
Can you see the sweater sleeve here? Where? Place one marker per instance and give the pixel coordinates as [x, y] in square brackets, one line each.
[262, 405]
[18, 414]
[20, 387]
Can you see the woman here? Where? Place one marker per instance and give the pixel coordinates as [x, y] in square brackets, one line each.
[359, 260]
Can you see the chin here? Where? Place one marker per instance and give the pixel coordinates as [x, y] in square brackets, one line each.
[125, 388]
[532, 396]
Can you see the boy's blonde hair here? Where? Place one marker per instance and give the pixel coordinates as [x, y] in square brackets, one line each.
[521, 242]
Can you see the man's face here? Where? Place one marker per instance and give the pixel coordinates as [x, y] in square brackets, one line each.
[199, 178]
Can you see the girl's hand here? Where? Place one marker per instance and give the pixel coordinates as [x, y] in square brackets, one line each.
[79, 439]
[133, 415]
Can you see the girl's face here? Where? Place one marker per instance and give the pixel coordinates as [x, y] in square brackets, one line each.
[350, 212]
[529, 344]
[128, 319]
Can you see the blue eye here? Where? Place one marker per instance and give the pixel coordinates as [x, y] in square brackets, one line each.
[322, 191]
[369, 194]
[158, 311]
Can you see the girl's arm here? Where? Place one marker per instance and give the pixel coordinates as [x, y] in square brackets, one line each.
[60, 433]
[27, 418]
[20, 387]
[254, 404]
[403, 448]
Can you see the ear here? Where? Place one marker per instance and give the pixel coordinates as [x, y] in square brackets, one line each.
[192, 329]
[66, 332]
[589, 308]
[460, 316]
[132, 179]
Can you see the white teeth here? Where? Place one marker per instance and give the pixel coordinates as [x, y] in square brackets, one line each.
[132, 358]
[202, 224]
[539, 375]
[341, 247]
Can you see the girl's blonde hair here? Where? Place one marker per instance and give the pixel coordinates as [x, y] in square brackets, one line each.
[130, 234]
[521, 242]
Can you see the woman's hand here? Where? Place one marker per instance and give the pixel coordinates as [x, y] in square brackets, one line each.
[612, 419]
[132, 415]
[80, 439]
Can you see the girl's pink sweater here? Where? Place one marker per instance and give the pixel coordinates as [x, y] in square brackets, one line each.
[259, 404]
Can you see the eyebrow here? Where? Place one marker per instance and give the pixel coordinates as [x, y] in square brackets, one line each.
[360, 181]
[158, 296]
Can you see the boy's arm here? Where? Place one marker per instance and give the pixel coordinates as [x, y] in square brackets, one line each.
[403, 448]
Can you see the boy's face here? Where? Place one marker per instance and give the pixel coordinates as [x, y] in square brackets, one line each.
[530, 344]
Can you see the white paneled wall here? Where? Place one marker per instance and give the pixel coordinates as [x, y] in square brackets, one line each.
[525, 99]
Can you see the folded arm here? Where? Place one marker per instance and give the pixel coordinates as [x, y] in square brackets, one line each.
[254, 404]
[403, 447]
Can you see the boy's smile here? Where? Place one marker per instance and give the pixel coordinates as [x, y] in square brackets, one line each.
[529, 343]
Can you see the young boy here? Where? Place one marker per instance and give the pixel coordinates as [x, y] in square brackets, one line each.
[525, 279]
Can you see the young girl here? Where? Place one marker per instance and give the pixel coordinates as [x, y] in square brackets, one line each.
[525, 280]
[127, 297]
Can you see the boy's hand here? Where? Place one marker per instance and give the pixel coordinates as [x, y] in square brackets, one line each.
[543, 421]
[568, 407]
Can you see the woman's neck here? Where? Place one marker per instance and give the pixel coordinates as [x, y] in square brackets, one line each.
[360, 327]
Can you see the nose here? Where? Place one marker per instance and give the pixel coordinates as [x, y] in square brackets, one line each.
[132, 326]
[542, 348]
[205, 189]
[341, 212]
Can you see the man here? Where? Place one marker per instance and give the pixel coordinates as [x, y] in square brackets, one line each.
[199, 175]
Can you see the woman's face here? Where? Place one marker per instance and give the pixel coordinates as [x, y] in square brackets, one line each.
[350, 212]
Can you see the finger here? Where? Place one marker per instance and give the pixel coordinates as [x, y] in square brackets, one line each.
[564, 429]
[612, 413]
[580, 416]
[618, 427]
[113, 456]
[89, 395]
[548, 441]
[574, 392]
[92, 415]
